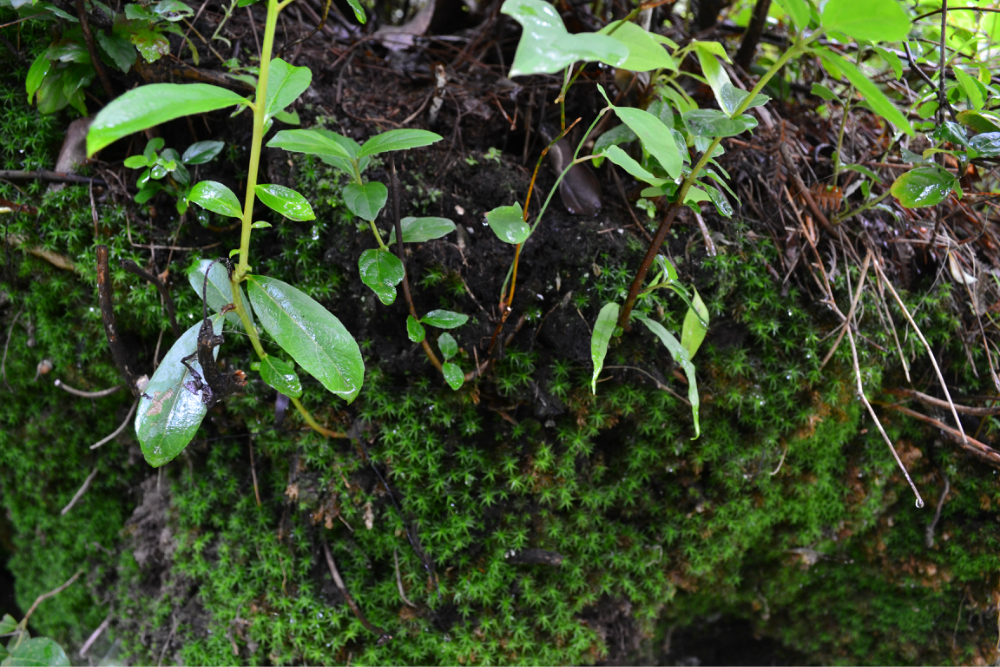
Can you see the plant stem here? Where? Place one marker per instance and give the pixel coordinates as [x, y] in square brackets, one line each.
[260, 109]
[674, 207]
[840, 136]
[378, 237]
[861, 209]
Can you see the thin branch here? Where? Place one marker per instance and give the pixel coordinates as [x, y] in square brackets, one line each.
[399, 579]
[46, 596]
[937, 402]
[46, 175]
[79, 494]
[383, 636]
[6, 346]
[108, 317]
[117, 430]
[929, 535]
[94, 635]
[966, 442]
[86, 394]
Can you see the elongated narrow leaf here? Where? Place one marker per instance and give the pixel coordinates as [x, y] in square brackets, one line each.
[366, 201]
[656, 137]
[202, 152]
[279, 375]
[310, 142]
[284, 85]
[219, 291]
[874, 20]
[715, 75]
[604, 328]
[147, 106]
[170, 413]
[644, 52]
[636, 170]
[923, 186]
[36, 74]
[397, 140]
[418, 230]
[453, 375]
[37, 652]
[314, 338]
[507, 222]
[681, 356]
[693, 330]
[971, 88]
[381, 271]
[712, 123]
[444, 319]
[415, 330]
[285, 201]
[216, 197]
[881, 104]
[359, 12]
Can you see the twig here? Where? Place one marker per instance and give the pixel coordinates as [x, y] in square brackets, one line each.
[253, 473]
[94, 635]
[6, 346]
[108, 317]
[86, 394]
[79, 494]
[937, 402]
[45, 596]
[850, 313]
[399, 580]
[168, 302]
[46, 175]
[929, 537]
[88, 38]
[383, 636]
[781, 462]
[970, 444]
[659, 385]
[117, 430]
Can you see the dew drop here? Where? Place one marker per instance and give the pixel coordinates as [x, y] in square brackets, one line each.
[920, 503]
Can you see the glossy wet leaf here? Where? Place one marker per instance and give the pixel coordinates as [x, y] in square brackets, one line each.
[419, 230]
[874, 20]
[656, 137]
[215, 197]
[359, 12]
[365, 201]
[219, 290]
[604, 328]
[979, 121]
[285, 201]
[693, 330]
[381, 271]
[36, 74]
[547, 47]
[167, 420]
[310, 142]
[923, 186]
[712, 123]
[444, 319]
[715, 75]
[722, 205]
[279, 375]
[448, 345]
[987, 145]
[202, 152]
[397, 140]
[415, 330]
[453, 375]
[681, 356]
[37, 652]
[507, 222]
[636, 170]
[147, 106]
[644, 52]
[733, 97]
[151, 44]
[879, 103]
[284, 85]
[307, 331]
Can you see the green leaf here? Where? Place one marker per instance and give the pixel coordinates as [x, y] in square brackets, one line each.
[979, 121]
[644, 52]
[381, 271]
[289, 117]
[444, 319]
[37, 652]
[285, 201]
[861, 169]
[892, 60]
[715, 75]
[733, 97]
[604, 328]
[821, 91]
[279, 375]
[418, 230]
[36, 74]
[987, 145]
[219, 291]
[147, 106]
[216, 197]
[415, 330]
[719, 200]
[621, 134]
[453, 375]
[923, 186]
[202, 152]
[147, 192]
[636, 170]
[314, 338]
[284, 85]
[359, 12]
[711, 123]
[135, 12]
[681, 356]
[547, 47]
[874, 20]
[136, 162]
[118, 48]
[798, 10]
[397, 140]
[260, 224]
[310, 142]
[152, 45]
[693, 330]
[365, 201]
[507, 222]
[880, 104]
[656, 137]
[7, 624]
[351, 146]
[167, 420]
[448, 345]
[172, 10]
[971, 88]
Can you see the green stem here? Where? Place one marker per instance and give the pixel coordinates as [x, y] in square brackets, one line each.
[260, 109]
[378, 237]
[861, 209]
[840, 137]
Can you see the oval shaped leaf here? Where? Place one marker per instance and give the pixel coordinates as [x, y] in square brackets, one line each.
[636, 170]
[987, 145]
[644, 52]
[681, 356]
[444, 319]
[310, 142]
[285, 201]
[279, 375]
[875, 20]
[604, 328]
[284, 85]
[397, 140]
[507, 222]
[169, 413]
[923, 186]
[37, 652]
[448, 345]
[453, 375]
[418, 230]
[415, 330]
[366, 201]
[216, 197]
[314, 338]
[655, 136]
[382, 271]
[713, 123]
[880, 104]
[147, 106]
[202, 152]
